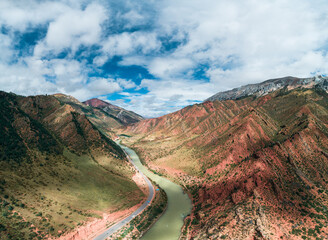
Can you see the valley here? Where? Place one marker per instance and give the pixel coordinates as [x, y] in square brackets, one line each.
[254, 165]
[178, 206]
[163, 120]
[58, 171]
[251, 164]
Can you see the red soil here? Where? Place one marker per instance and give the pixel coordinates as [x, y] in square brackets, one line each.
[264, 164]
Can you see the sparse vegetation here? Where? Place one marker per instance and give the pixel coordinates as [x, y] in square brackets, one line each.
[252, 158]
[50, 181]
[141, 223]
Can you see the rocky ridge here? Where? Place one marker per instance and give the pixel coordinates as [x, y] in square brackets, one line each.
[256, 168]
[263, 88]
[57, 169]
[124, 116]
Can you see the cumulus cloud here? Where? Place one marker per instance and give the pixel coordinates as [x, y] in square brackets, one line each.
[169, 66]
[133, 18]
[191, 49]
[126, 84]
[5, 48]
[101, 86]
[165, 96]
[73, 28]
[21, 79]
[131, 43]
[21, 15]
[254, 35]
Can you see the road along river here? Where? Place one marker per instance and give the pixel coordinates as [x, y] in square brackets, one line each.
[108, 232]
[169, 225]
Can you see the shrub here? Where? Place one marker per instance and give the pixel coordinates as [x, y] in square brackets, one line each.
[195, 221]
[5, 203]
[5, 213]
[2, 228]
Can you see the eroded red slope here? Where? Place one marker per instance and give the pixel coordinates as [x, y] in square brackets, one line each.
[257, 168]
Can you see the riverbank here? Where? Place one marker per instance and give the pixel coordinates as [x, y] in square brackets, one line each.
[96, 226]
[179, 205]
[144, 221]
[134, 160]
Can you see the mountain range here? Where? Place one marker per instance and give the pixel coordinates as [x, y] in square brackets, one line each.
[271, 85]
[58, 167]
[253, 159]
[124, 117]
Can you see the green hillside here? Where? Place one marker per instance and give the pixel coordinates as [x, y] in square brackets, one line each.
[56, 169]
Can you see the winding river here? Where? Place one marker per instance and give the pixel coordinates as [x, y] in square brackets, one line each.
[169, 225]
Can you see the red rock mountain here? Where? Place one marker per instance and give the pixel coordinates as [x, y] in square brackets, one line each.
[124, 116]
[263, 88]
[256, 168]
[104, 121]
[95, 102]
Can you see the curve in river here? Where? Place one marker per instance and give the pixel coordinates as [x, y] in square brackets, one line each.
[169, 225]
[109, 231]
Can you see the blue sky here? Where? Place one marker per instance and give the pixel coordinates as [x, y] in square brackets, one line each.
[155, 57]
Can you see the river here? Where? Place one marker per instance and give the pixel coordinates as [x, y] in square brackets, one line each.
[169, 225]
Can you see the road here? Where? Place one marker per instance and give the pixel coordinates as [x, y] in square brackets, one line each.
[108, 232]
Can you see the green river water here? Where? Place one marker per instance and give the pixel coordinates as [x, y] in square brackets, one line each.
[169, 225]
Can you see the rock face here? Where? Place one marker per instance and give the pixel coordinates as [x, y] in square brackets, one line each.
[63, 119]
[104, 121]
[264, 88]
[256, 168]
[124, 116]
[57, 169]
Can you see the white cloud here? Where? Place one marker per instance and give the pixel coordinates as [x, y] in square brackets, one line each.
[21, 14]
[131, 43]
[169, 67]
[100, 60]
[70, 25]
[101, 86]
[165, 89]
[5, 48]
[22, 80]
[126, 84]
[240, 42]
[73, 28]
[164, 96]
[254, 40]
[236, 42]
[133, 18]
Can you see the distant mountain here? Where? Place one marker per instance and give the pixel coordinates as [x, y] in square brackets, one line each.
[126, 117]
[263, 88]
[57, 169]
[256, 168]
[104, 121]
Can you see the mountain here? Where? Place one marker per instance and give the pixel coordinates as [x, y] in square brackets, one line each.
[104, 121]
[57, 170]
[255, 167]
[268, 86]
[125, 117]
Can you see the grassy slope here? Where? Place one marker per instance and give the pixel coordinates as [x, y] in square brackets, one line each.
[103, 120]
[45, 188]
[257, 166]
[123, 116]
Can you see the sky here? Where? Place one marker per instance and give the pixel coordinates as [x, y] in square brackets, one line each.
[155, 57]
